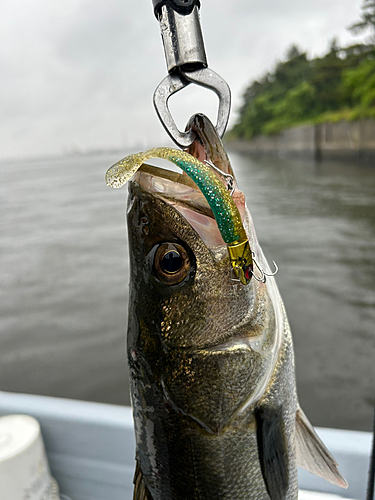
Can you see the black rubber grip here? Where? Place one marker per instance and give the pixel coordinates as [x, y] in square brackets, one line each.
[181, 6]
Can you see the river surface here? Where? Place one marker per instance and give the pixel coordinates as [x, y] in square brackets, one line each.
[64, 277]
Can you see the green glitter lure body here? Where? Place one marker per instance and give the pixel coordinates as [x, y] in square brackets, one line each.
[218, 197]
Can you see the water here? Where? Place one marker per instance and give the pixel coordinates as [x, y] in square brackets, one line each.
[64, 277]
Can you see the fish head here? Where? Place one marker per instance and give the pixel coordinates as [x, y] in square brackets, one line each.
[193, 325]
[181, 265]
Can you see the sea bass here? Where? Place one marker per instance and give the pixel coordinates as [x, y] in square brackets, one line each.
[210, 353]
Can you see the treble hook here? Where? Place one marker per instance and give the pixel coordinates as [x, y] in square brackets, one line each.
[262, 278]
[275, 272]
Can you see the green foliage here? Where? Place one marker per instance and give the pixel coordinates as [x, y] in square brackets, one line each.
[258, 111]
[265, 100]
[347, 114]
[299, 90]
[358, 85]
[297, 106]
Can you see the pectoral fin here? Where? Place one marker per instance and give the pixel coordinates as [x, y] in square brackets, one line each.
[272, 450]
[140, 489]
[312, 455]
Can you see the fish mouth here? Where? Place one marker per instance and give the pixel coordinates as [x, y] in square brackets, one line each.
[180, 192]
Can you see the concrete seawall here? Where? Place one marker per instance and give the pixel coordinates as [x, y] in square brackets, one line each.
[342, 140]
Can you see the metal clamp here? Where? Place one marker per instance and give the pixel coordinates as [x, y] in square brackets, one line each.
[186, 63]
[177, 81]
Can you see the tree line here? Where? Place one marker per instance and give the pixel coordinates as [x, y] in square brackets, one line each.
[338, 86]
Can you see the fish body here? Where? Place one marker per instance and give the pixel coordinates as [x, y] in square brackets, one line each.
[199, 354]
[211, 359]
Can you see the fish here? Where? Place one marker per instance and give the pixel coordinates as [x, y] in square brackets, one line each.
[210, 354]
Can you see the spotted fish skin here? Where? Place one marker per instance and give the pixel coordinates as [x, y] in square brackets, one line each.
[198, 353]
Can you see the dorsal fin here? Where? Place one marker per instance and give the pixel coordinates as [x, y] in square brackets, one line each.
[140, 489]
[312, 454]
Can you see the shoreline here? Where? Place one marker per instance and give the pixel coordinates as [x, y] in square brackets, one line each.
[347, 141]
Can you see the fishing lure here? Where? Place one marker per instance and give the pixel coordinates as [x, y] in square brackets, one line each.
[218, 197]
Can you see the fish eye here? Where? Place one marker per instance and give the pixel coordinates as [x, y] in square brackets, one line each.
[171, 263]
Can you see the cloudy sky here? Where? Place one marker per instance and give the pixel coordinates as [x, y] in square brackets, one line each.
[80, 74]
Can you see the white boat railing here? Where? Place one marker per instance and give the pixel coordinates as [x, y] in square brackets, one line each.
[90, 448]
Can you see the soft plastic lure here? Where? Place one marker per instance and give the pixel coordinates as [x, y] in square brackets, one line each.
[218, 197]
